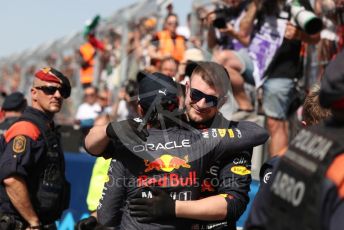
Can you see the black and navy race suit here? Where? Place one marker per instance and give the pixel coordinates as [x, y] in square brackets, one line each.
[228, 176]
[177, 161]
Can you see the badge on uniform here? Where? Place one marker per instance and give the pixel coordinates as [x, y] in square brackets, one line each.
[19, 144]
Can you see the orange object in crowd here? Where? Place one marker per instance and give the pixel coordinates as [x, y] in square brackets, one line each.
[174, 47]
[87, 52]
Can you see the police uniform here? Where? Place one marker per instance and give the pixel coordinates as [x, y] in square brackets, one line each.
[306, 190]
[32, 151]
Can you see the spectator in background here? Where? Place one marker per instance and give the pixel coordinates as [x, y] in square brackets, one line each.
[89, 110]
[272, 69]
[12, 108]
[169, 67]
[192, 54]
[230, 41]
[125, 105]
[279, 87]
[88, 51]
[103, 101]
[167, 43]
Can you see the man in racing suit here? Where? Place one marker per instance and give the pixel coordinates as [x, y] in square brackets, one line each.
[175, 165]
[227, 182]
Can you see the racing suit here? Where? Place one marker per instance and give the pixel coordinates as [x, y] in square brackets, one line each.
[177, 159]
[229, 176]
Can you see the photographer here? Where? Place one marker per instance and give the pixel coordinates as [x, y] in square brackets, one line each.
[224, 25]
[282, 74]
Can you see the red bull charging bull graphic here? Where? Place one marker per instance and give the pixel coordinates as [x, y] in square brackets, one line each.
[167, 163]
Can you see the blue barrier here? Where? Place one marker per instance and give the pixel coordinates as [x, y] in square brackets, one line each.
[78, 170]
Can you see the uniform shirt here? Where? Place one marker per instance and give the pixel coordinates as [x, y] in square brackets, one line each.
[24, 156]
[332, 193]
[178, 158]
[259, 213]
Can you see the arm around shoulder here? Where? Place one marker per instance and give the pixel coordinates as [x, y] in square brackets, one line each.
[210, 208]
[96, 140]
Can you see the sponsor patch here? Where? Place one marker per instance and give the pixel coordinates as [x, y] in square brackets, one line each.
[222, 132]
[231, 133]
[19, 144]
[267, 177]
[240, 170]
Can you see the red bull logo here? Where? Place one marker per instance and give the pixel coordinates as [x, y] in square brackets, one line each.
[167, 163]
[168, 180]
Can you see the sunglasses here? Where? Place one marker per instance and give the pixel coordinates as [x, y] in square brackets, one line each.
[197, 95]
[51, 90]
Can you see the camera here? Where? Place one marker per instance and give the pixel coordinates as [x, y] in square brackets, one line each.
[220, 20]
[227, 13]
[305, 19]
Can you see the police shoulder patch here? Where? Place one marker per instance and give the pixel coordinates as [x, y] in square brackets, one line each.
[19, 144]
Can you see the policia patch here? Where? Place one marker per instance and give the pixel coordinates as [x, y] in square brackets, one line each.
[19, 144]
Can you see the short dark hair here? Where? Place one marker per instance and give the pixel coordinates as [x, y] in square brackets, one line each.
[214, 75]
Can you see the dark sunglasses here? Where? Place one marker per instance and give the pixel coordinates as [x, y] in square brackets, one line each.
[51, 90]
[197, 95]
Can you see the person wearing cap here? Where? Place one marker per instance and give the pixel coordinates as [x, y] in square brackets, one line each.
[12, 107]
[34, 190]
[167, 43]
[171, 159]
[306, 186]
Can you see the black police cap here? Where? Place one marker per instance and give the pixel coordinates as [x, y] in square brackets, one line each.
[14, 102]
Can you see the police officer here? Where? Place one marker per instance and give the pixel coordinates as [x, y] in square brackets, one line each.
[306, 190]
[33, 189]
[13, 107]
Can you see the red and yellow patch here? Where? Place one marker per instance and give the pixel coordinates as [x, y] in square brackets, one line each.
[19, 144]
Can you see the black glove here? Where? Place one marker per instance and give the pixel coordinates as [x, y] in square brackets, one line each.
[161, 206]
[129, 129]
[89, 223]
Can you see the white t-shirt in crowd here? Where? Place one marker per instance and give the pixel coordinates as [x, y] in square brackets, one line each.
[87, 111]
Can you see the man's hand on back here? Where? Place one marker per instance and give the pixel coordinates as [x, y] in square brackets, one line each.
[161, 206]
